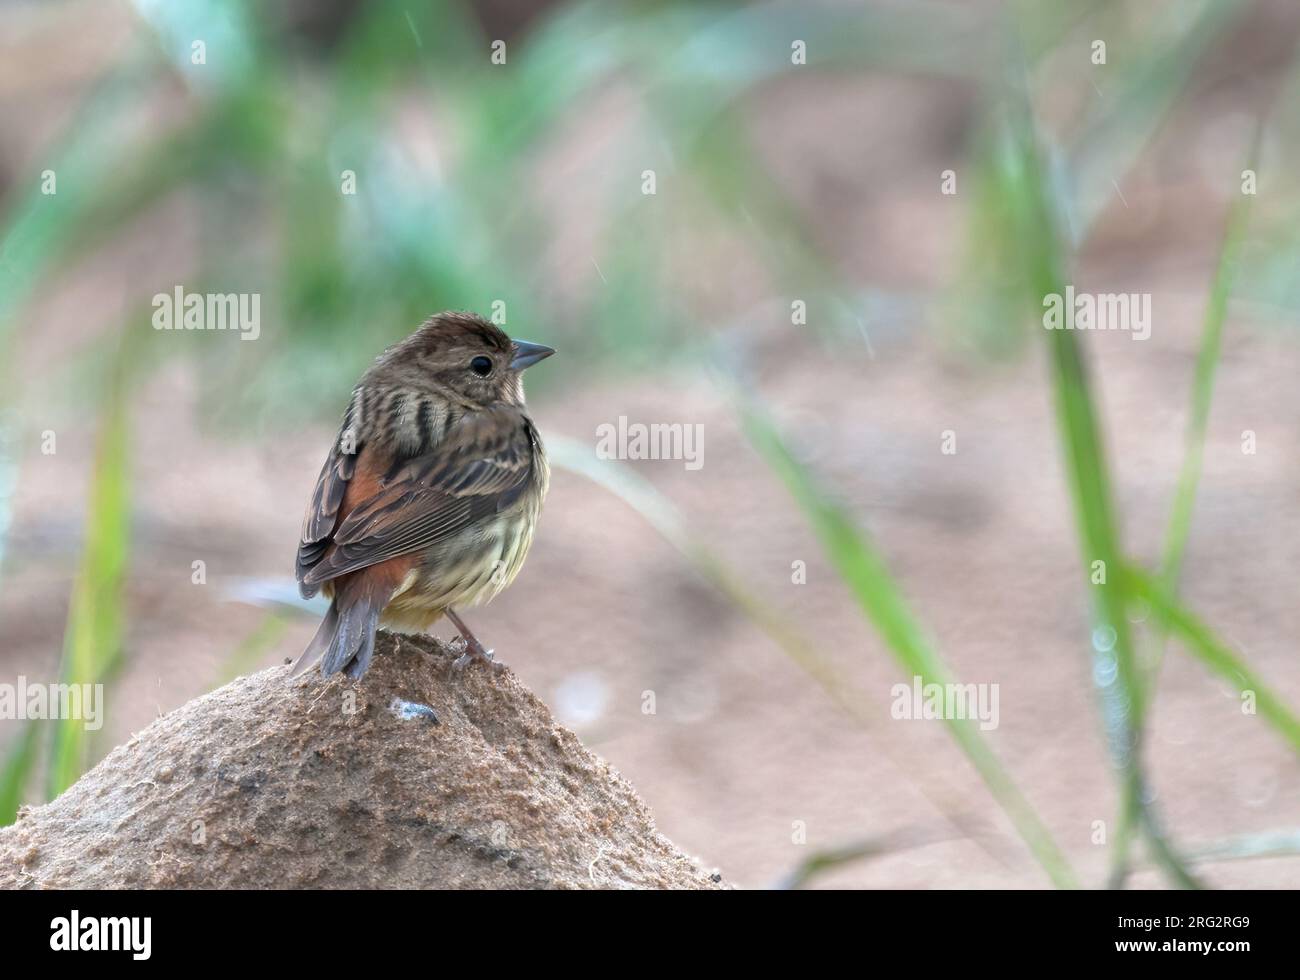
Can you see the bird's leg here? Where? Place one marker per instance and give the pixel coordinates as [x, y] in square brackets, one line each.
[474, 650]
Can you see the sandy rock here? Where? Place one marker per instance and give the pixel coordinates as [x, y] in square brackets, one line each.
[269, 782]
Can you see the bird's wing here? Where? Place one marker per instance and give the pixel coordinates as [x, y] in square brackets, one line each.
[481, 467]
[322, 515]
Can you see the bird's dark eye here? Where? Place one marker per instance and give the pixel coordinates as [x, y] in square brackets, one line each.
[482, 366]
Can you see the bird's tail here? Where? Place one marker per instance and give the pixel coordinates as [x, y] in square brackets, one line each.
[346, 638]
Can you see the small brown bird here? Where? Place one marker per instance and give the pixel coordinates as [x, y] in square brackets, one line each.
[428, 500]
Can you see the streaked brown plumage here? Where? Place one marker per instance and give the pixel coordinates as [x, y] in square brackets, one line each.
[428, 499]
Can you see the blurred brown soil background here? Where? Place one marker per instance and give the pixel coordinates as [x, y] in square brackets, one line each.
[743, 748]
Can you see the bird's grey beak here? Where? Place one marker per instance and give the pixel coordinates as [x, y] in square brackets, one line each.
[526, 354]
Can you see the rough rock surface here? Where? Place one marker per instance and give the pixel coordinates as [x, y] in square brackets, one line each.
[269, 782]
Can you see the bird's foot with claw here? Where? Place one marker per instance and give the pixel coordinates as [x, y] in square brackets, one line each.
[471, 652]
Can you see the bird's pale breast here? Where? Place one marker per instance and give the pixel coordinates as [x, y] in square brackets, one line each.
[471, 567]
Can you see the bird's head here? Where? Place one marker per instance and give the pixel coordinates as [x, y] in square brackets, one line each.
[464, 358]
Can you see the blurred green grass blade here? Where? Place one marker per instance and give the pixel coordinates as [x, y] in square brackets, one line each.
[1207, 361]
[863, 571]
[1276, 843]
[1200, 642]
[1122, 700]
[660, 513]
[667, 521]
[17, 771]
[1139, 92]
[1267, 270]
[391, 39]
[983, 306]
[38, 226]
[1147, 84]
[8, 465]
[93, 637]
[820, 862]
[1085, 455]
